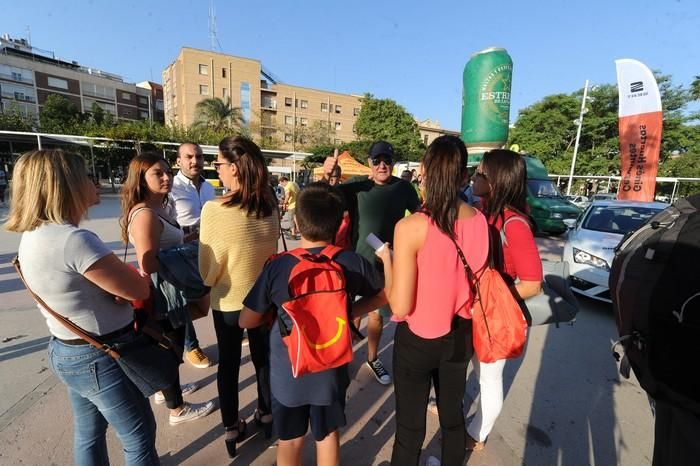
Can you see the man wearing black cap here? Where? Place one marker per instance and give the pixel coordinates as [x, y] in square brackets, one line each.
[375, 204]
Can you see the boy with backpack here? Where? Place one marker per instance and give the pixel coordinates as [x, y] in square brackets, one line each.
[305, 295]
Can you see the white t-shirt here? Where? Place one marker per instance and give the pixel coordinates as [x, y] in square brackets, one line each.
[54, 258]
[188, 200]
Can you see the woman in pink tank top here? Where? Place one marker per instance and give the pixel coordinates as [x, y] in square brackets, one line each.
[429, 293]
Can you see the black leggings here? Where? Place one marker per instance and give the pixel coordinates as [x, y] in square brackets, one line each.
[173, 394]
[417, 362]
[228, 336]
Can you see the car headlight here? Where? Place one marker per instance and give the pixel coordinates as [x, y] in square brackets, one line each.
[582, 257]
[556, 215]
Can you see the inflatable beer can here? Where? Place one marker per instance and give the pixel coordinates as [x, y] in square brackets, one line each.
[486, 101]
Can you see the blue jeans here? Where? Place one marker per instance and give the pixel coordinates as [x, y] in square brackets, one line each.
[191, 341]
[101, 394]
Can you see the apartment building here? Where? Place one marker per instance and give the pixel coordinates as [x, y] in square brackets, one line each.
[28, 75]
[430, 130]
[291, 115]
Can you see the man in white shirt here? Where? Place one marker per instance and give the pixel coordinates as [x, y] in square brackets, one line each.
[190, 192]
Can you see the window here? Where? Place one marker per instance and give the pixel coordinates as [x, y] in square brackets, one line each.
[126, 96]
[304, 104]
[355, 111]
[338, 109]
[96, 90]
[17, 92]
[324, 107]
[144, 114]
[224, 93]
[143, 100]
[338, 126]
[159, 105]
[16, 74]
[203, 69]
[203, 89]
[337, 142]
[425, 139]
[287, 101]
[304, 121]
[245, 102]
[302, 139]
[287, 137]
[223, 72]
[58, 83]
[288, 120]
[88, 103]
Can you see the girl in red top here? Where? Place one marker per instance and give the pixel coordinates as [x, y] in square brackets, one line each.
[500, 180]
[428, 291]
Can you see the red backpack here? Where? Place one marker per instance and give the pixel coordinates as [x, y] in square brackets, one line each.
[318, 307]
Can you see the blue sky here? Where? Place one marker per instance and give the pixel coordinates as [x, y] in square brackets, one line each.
[412, 52]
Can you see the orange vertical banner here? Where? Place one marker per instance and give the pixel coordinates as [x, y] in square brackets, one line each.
[640, 124]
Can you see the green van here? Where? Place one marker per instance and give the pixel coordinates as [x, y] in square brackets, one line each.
[547, 206]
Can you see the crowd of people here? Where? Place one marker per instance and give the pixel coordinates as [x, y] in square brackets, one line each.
[418, 281]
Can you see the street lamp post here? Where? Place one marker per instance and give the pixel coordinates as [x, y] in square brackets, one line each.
[578, 136]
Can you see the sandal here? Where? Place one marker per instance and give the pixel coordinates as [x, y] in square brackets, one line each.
[233, 435]
[264, 421]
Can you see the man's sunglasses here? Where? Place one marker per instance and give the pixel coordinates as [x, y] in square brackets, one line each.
[377, 160]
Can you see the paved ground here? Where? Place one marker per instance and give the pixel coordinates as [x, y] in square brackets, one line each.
[565, 402]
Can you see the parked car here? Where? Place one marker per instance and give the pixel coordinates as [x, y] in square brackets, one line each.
[590, 246]
[579, 201]
[604, 197]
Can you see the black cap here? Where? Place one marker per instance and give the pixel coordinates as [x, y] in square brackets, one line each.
[381, 148]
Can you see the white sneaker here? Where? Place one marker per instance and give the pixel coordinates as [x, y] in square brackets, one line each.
[379, 371]
[186, 390]
[192, 411]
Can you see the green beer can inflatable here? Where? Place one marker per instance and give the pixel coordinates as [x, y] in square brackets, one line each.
[486, 100]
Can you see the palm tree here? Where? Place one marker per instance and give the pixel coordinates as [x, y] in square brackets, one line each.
[218, 115]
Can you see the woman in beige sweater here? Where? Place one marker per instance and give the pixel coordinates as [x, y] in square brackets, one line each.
[238, 234]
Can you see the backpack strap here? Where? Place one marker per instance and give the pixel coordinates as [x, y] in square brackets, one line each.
[512, 218]
[331, 251]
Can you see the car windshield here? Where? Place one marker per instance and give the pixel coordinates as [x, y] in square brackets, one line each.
[613, 219]
[543, 188]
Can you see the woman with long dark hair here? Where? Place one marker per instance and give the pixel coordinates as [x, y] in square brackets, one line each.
[501, 182]
[79, 277]
[238, 234]
[147, 223]
[429, 293]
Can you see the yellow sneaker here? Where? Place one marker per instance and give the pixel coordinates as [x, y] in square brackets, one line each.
[197, 358]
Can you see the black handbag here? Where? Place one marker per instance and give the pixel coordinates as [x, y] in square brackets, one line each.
[151, 360]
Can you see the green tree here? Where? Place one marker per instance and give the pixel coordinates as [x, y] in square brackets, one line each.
[12, 119]
[60, 115]
[218, 115]
[386, 120]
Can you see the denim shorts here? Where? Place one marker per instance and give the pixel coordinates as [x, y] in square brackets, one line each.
[291, 423]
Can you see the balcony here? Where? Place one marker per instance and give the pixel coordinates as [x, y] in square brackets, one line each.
[269, 105]
[266, 86]
[16, 77]
[19, 97]
[99, 95]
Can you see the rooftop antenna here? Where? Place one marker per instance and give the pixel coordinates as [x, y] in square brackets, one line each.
[213, 39]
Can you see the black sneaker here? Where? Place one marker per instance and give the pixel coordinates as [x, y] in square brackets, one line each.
[380, 373]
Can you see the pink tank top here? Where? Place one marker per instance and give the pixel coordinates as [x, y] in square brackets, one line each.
[442, 290]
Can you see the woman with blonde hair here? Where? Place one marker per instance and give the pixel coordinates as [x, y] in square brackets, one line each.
[80, 278]
[147, 223]
[238, 234]
[430, 294]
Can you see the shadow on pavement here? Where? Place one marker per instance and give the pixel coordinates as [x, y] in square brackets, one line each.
[583, 407]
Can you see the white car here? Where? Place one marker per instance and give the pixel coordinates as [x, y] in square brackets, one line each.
[579, 201]
[590, 246]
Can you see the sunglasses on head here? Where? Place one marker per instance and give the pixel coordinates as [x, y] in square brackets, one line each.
[377, 160]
